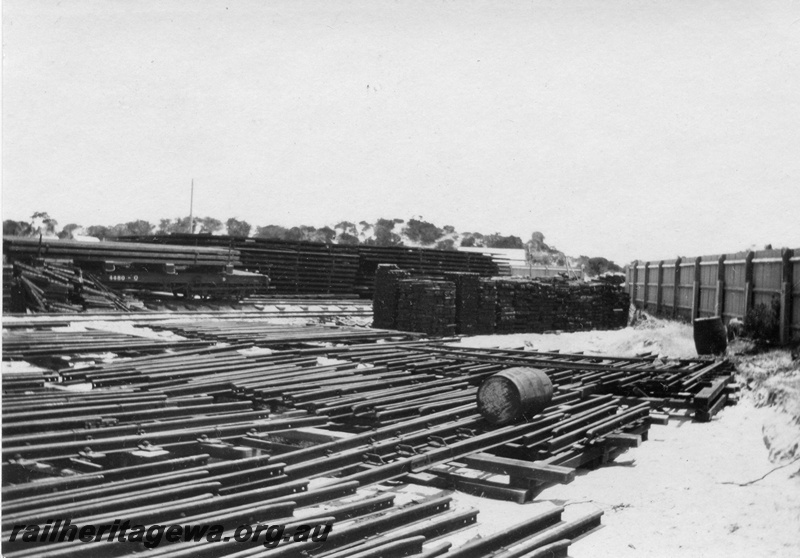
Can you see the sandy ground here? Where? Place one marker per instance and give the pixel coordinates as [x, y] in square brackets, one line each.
[669, 339]
[692, 490]
[680, 493]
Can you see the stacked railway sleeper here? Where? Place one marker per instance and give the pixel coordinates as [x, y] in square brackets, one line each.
[311, 431]
[468, 304]
[313, 267]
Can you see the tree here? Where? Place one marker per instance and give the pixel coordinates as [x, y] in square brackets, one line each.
[472, 239]
[235, 227]
[497, 240]
[42, 223]
[294, 234]
[68, 231]
[536, 243]
[384, 235]
[598, 266]
[208, 225]
[177, 225]
[326, 235]
[423, 232]
[271, 231]
[137, 228]
[346, 238]
[17, 228]
[347, 227]
[98, 231]
[446, 244]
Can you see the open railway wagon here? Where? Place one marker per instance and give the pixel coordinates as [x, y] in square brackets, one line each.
[299, 267]
[182, 271]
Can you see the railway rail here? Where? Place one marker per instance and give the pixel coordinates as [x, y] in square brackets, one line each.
[248, 422]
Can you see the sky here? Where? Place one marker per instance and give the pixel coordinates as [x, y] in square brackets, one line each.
[625, 129]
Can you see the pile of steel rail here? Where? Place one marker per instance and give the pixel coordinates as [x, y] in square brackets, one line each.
[312, 267]
[20, 248]
[151, 310]
[222, 433]
[173, 270]
[21, 344]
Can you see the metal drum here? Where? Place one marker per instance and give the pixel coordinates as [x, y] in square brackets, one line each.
[514, 393]
[710, 336]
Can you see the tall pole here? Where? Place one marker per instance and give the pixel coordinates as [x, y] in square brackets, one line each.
[191, 210]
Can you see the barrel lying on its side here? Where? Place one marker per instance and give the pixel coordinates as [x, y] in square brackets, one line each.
[513, 393]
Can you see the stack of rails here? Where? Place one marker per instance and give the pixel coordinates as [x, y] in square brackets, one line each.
[231, 472]
[699, 385]
[25, 248]
[297, 267]
[419, 261]
[218, 435]
[176, 448]
[263, 334]
[47, 287]
[293, 267]
[207, 310]
[145, 267]
[303, 268]
[322, 298]
[26, 345]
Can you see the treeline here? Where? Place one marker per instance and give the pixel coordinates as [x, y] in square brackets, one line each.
[383, 232]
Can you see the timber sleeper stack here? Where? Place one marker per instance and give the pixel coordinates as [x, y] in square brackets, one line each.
[496, 305]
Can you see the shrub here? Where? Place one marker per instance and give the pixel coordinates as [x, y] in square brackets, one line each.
[762, 322]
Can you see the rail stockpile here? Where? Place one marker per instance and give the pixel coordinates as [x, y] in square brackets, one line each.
[219, 433]
[184, 271]
[46, 287]
[297, 267]
[485, 306]
[116, 252]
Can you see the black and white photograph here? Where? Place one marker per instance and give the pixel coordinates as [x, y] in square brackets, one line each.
[388, 278]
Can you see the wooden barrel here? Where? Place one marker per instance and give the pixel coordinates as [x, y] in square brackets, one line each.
[710, 336]
[514, 393]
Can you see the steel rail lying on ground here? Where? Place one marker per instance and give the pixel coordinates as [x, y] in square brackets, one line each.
[220, 433]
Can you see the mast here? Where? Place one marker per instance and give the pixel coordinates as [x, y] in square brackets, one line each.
[191, 210]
